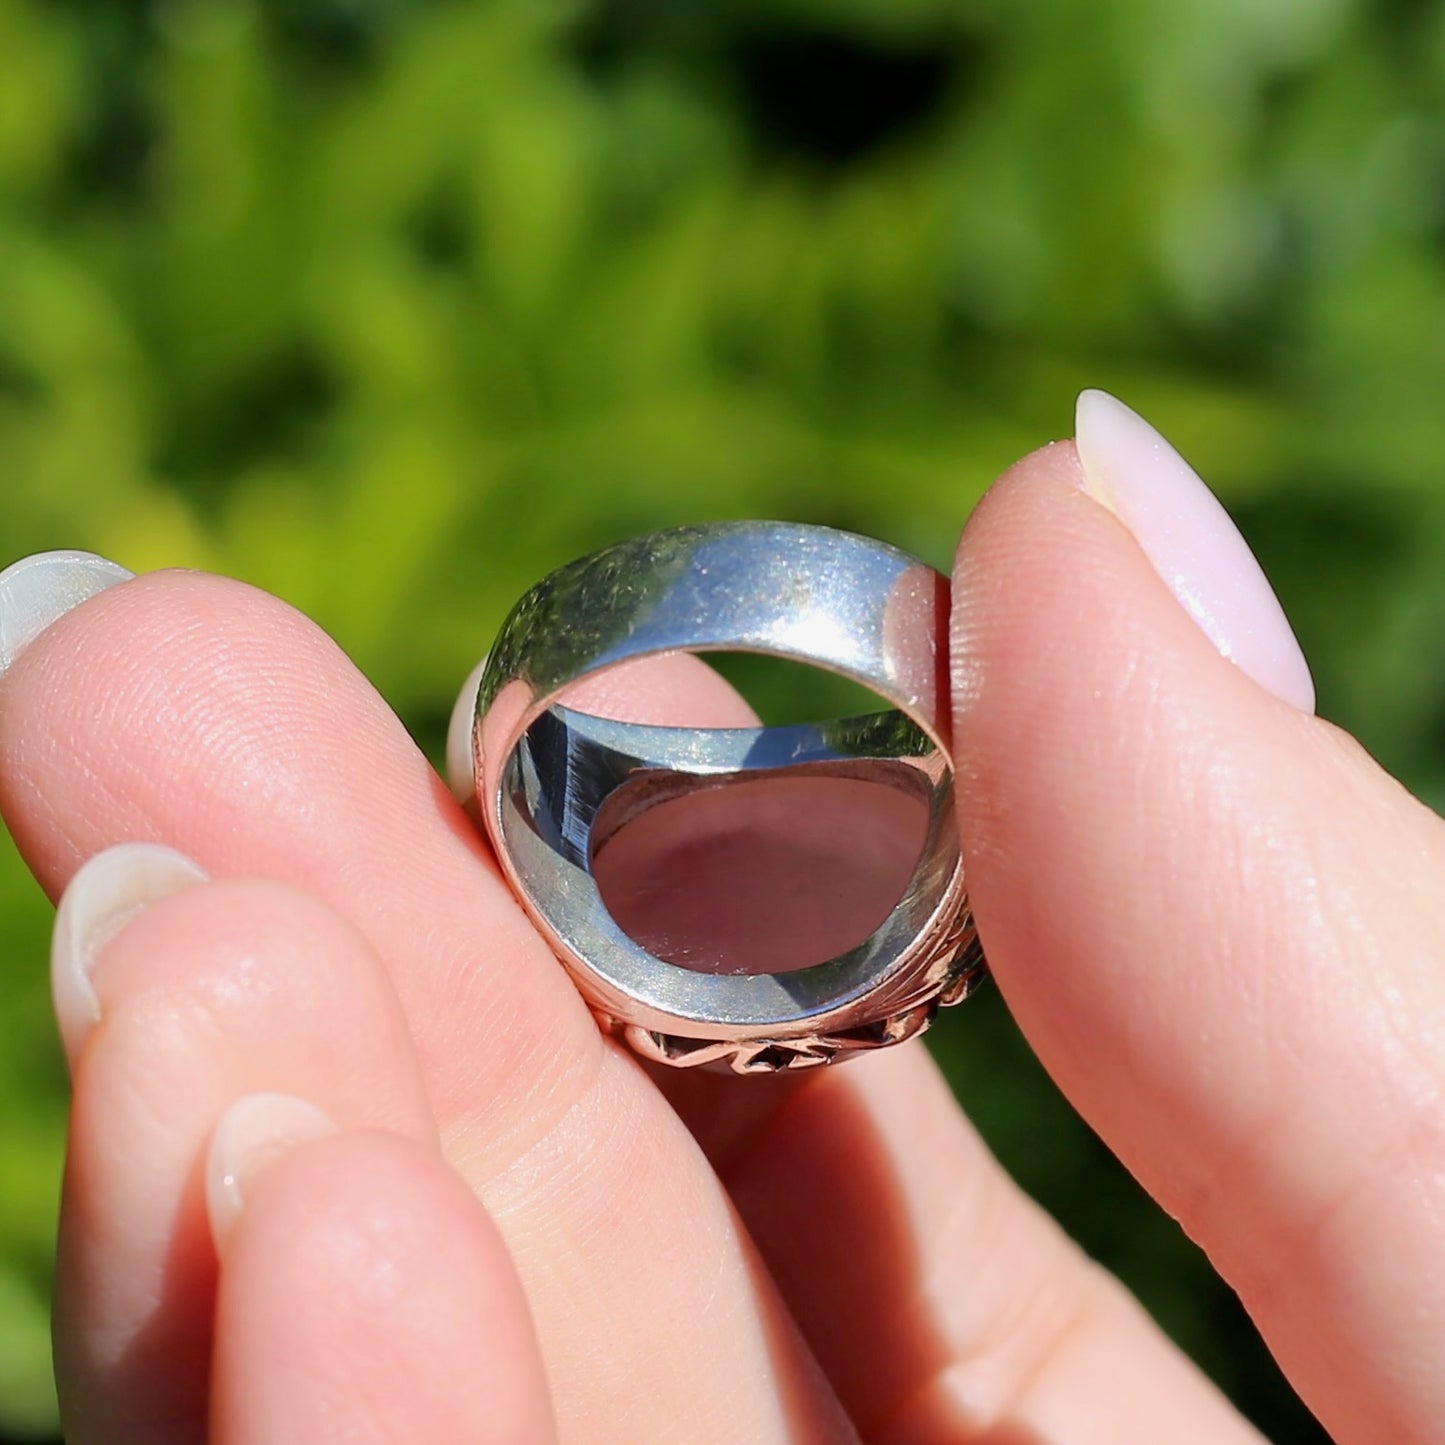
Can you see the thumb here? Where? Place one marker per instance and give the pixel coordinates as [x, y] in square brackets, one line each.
[1216, 919]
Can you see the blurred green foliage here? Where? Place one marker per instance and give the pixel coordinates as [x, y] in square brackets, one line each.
[390, 307]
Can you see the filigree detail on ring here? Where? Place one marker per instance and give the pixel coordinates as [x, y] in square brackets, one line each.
[957, 947]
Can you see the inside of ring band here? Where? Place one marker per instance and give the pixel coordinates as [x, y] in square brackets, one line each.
[783, 852]
[760, 873]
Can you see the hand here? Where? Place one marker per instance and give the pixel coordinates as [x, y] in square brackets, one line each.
[349, 1159]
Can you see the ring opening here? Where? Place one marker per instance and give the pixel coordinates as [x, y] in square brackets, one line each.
[759, 873]
[783, 690]
[563, 725]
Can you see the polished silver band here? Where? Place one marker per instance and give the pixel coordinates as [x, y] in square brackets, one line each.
[553, 783]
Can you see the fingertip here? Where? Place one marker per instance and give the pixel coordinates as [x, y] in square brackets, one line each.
[1109, 757]
[137, 705]
[253, 1133]
[364, 1262]
[37, 591]
[108, 892]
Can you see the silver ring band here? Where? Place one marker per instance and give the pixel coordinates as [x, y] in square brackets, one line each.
[554, 784]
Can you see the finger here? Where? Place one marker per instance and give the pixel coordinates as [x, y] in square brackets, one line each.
[364, 1295]
[206, 993]
[940, 1300]
[943, 1303]
[220, 721]
[1218, 923]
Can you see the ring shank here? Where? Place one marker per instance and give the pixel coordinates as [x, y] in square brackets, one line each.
[841, 602]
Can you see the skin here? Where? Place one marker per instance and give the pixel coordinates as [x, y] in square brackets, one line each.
[1216, 920]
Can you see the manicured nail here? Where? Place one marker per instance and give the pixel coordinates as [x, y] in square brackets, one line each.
[1192, 543]
[106, 894]
[37, 590]
[461, 767]
[252, 1133]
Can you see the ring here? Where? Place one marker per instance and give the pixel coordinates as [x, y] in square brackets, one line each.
[556, 786]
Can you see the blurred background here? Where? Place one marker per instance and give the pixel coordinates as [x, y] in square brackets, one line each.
[391, 306]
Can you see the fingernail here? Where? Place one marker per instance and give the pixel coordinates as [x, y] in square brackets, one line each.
[461, 765]
[254, 1132]
[106, 894]
[37, 590]
[1194, 546]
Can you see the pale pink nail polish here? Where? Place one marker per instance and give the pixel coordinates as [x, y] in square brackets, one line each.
[1195, 548]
